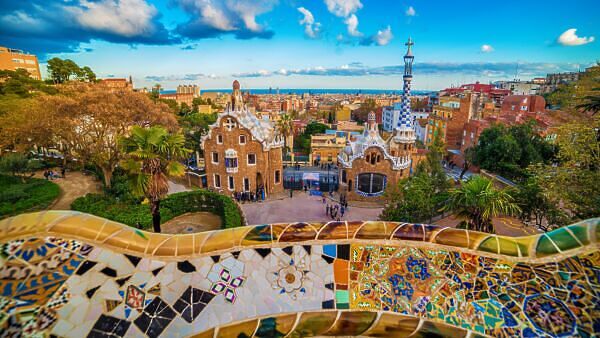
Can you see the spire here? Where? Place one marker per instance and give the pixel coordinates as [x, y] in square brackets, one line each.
[404, 126]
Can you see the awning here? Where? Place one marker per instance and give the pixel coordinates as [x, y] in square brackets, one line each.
[310, 176]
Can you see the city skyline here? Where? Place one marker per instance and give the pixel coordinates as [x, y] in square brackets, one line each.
[305, 44]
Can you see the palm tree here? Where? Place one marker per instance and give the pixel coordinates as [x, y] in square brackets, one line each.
[285, 126]
[592, 104]
[477, 201]
[152, 155]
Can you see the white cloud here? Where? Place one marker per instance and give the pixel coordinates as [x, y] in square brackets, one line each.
[343, 8]
[311, 28]
[210, 18]
[383, 37]
[487, 48]
[411, 11]
[570, 38]
[352, 25]
[123, 17]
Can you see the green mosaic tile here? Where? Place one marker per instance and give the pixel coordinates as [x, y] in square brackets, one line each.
[545, 247]
[581, 232]
[489, 244]
[508, 247]
[342, 297]
[563, 239]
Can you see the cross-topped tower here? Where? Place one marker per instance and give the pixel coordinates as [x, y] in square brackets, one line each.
[405, 120]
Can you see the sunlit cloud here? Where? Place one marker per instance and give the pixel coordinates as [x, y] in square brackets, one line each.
[570, 38]
[311, 27]
[487, 48]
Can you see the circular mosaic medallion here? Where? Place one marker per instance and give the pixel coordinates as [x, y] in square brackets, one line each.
[549, 315]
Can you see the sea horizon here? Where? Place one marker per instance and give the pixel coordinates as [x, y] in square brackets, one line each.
[297, 91]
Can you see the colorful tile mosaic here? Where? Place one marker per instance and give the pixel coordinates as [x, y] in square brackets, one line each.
[74, 275]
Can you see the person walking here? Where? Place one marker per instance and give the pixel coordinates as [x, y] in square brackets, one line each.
[327, 210]
[62, 172]
[342, 210]
[46, 174]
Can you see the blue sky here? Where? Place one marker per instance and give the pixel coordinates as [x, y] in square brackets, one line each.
[307, 44]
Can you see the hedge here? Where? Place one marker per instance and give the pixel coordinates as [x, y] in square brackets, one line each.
[18, 197]
[138, 215]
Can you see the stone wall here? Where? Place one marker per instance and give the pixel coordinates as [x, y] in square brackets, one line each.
[74, 275]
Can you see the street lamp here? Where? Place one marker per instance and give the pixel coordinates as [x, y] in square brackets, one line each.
[292, 187]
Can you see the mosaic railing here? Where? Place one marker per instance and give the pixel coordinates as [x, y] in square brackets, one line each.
[74, 275]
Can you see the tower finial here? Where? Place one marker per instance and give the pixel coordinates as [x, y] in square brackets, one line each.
[409, 43]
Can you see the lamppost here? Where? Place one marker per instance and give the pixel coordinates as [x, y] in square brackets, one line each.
[292, 187]
[328, 178]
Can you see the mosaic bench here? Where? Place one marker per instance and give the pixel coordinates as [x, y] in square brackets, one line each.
[70, 274]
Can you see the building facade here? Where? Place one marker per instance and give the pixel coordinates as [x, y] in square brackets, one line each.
[324, 148]
[243, 153]
[117, 84]
[391, 114]
[184, 94]
[523, 103]
[370, 165]
[13, 59]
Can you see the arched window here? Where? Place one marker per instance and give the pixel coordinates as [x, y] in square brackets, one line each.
[344, 176]
[378, 158]
[371, 184]
[373, 158]
[231, 161]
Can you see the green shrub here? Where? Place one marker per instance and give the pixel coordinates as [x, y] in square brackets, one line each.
[19, 195]
[138, 215]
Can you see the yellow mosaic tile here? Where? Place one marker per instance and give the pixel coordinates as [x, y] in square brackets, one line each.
[392, 325]
[244, 329]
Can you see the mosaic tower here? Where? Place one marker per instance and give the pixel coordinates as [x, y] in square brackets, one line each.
[405, 132]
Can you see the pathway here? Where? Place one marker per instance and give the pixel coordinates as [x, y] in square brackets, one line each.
[74, 185]
[506, 226]
[301, 208]
[176, 187]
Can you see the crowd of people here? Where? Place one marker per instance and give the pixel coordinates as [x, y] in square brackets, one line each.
[249, 196]
[50, 174]
[336, 210]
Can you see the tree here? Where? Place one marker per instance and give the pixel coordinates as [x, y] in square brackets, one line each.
[184, 109]
[536, 207]
[13, 163]
[468, 156]
[571, 183]
[412, 200]
[302, 142]
[477, 201]
[152, 155]
[86, 120]
[63, 70]
[88, 75]
[285, 126]
[419, 197]
[18, 164]
[20, 84]
[508, 151]
[194, 126]
[591, 104]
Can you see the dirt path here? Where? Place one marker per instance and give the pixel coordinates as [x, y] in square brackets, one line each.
[73, 186]
[506, 226]
[192, 222]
